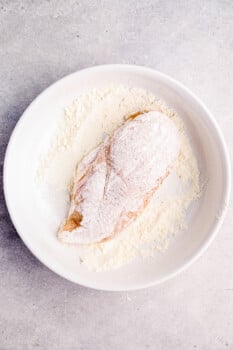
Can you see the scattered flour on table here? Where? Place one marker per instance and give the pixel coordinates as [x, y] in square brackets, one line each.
[84, 125]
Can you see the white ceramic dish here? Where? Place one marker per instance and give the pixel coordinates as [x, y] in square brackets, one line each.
[30, 215]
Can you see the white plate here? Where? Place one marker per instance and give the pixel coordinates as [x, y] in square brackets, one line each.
[30, 214]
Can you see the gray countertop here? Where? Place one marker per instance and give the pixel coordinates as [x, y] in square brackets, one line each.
[40, 42]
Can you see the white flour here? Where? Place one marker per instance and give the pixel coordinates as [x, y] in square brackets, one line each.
[85, 124]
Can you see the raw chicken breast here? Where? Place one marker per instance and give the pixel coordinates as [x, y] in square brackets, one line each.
[115, 182]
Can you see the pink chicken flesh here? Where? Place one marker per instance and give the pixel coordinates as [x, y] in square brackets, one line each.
[115, 182]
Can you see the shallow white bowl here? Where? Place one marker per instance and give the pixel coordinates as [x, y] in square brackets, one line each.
[30, 215]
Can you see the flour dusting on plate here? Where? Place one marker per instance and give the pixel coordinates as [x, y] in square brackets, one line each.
[84, 126]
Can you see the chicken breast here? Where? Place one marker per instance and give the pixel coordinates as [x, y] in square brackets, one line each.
[115, 182]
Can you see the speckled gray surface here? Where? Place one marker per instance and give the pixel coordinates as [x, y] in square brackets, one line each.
[40, 42]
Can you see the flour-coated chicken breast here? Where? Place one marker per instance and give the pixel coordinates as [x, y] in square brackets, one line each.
[115, 182]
